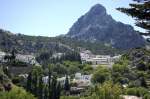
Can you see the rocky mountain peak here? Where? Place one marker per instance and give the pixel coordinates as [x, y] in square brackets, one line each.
[97, 26]
[98, 9]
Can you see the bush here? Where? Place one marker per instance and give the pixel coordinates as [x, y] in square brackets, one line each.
[146, 96]
[69, 97]
[16, 93]
[101, 74]
[140, 91]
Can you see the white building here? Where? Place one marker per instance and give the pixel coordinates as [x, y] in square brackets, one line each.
[82, 80]
[86, 55]
[95, 60]
[27, 59]
[57, 55]
[24, 58]
[45, 79]
[131, 97]
[60, 80]
[2, 54]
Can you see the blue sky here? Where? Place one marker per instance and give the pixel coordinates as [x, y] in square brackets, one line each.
[52, 17]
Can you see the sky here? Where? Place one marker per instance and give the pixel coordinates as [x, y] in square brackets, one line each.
[52, 17]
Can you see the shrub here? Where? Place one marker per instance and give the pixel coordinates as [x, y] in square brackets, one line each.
[16, 93]
[140, 91]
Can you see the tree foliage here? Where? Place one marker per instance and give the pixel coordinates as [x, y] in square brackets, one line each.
[101, 74]
[16, 93]
[141, 12]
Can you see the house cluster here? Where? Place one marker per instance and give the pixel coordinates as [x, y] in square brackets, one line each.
[30, 59]
[82, 80]
[61, 80]
[59, 55]
[95, 60]
[78, 83]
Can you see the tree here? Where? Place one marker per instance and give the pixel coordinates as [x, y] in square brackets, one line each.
[107, 90]
[46, 92]
[137, 91]
[143, 82]
[49, 81]
[29, 82]
[120, 68]
[67, 85]
[101, 74]
[141, 12]
[40, 89]
[16, 93]
[53, 86]
[35, 84]
[13, 54]
[58, 91]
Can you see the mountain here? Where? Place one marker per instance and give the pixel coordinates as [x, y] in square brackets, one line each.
[36, 45]
[97, 26]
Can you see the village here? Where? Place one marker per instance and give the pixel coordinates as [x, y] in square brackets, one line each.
[80, 80]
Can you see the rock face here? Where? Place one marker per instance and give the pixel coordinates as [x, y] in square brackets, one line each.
[97, 26]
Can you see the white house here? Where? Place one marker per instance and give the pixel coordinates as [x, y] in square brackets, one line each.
[87, 56]
[45, 79]
[2, 54]
[131, 97]
[82, 80]
[60, 80]
[57, 55]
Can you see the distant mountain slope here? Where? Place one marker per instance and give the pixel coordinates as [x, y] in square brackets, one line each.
[37, 44]
[30, 44]
[97, 26]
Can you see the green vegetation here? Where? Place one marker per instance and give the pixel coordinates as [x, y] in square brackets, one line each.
[41, 89]
[107, 90]
[10, 91]
[16, 93]
[70, 68]
[46, 58]
[138, 91]
[101, 74]
[103, 91]
[128, 76]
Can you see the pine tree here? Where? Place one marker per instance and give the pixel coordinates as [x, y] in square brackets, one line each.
[143, 82]
[67, 85]
[46, 92]
[49, 83]
[13, 54]
[29, 82]
[35, 84]
[54, 90]
[40, 89]
[141, 12]
[58, 88]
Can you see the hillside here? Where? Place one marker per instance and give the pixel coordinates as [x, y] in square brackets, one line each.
[37, 44]
[97, 26]
[29, 44]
